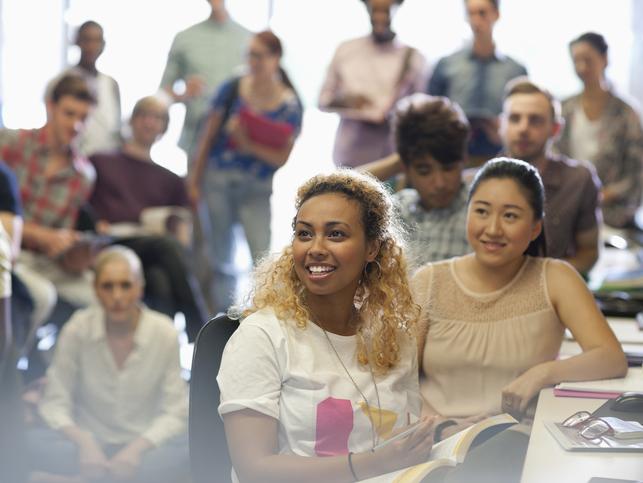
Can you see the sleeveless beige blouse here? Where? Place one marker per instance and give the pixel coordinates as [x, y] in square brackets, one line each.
[477, 343]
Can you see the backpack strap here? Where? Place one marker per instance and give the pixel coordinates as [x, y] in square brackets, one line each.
[233, 95]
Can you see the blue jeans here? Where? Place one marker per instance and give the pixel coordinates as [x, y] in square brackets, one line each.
[234, 198]
[51, 452]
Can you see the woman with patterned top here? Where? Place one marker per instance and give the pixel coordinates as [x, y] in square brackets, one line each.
[602, 128]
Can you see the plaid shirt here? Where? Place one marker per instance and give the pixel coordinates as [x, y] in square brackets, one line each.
[436, 234]
[48, 201]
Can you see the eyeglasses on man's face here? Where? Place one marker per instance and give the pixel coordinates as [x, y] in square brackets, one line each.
[589, 427]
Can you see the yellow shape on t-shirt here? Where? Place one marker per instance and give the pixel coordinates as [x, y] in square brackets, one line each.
[383, 419]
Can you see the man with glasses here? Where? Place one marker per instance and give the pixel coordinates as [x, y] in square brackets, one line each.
[120, 196]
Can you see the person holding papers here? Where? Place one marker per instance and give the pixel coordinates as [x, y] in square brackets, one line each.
[364, 80]
[492, 321]
[323, 370]
[247, 136]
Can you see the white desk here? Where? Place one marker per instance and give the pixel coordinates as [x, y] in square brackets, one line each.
[625, 329]
[547, 462]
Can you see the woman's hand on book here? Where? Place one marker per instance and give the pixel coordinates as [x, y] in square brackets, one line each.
[409, 450]
[461, 424]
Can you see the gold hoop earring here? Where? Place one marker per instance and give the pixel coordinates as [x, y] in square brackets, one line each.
[365, 271]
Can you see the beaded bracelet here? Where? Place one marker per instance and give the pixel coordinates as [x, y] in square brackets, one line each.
[350, 465]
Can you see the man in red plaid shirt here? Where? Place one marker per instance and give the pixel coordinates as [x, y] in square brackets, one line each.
[54, 182]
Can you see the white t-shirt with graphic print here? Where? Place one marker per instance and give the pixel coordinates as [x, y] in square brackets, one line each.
[293, 375]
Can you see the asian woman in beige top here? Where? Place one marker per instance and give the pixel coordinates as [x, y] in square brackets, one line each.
[493, 321]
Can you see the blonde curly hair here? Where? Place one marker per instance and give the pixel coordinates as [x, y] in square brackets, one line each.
[387, 313]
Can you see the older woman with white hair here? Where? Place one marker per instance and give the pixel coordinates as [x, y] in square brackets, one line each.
[114, 402]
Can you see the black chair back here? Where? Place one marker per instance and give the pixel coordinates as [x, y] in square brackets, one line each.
[209, 458]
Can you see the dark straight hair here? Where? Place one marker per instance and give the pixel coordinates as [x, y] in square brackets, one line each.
[597, 41]
[531, 185]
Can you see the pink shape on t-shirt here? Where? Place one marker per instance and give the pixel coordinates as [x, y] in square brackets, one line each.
[334, 426]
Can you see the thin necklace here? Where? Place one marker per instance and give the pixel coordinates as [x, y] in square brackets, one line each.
[375, 438]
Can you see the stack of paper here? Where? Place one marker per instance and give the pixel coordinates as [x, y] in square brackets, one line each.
[604, 388]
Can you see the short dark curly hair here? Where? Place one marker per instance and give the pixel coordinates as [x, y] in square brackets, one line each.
[428, 125]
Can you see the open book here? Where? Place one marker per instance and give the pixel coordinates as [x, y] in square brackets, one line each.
[451, 451]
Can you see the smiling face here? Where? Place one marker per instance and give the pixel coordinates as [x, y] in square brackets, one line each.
[330, 248]
[500, 222]
[149, 123]
[119, 290]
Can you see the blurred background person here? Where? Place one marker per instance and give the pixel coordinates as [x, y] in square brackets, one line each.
[200, 59]
[202, 56]
[475, 78]
[364, 81]
[12, 449]
[529, 123]
[235, 161]
[54, 180]
[604, 129]
[122, 204]
[103, 127]
[115, 404]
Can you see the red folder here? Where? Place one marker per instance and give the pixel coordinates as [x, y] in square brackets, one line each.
[260, 129]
